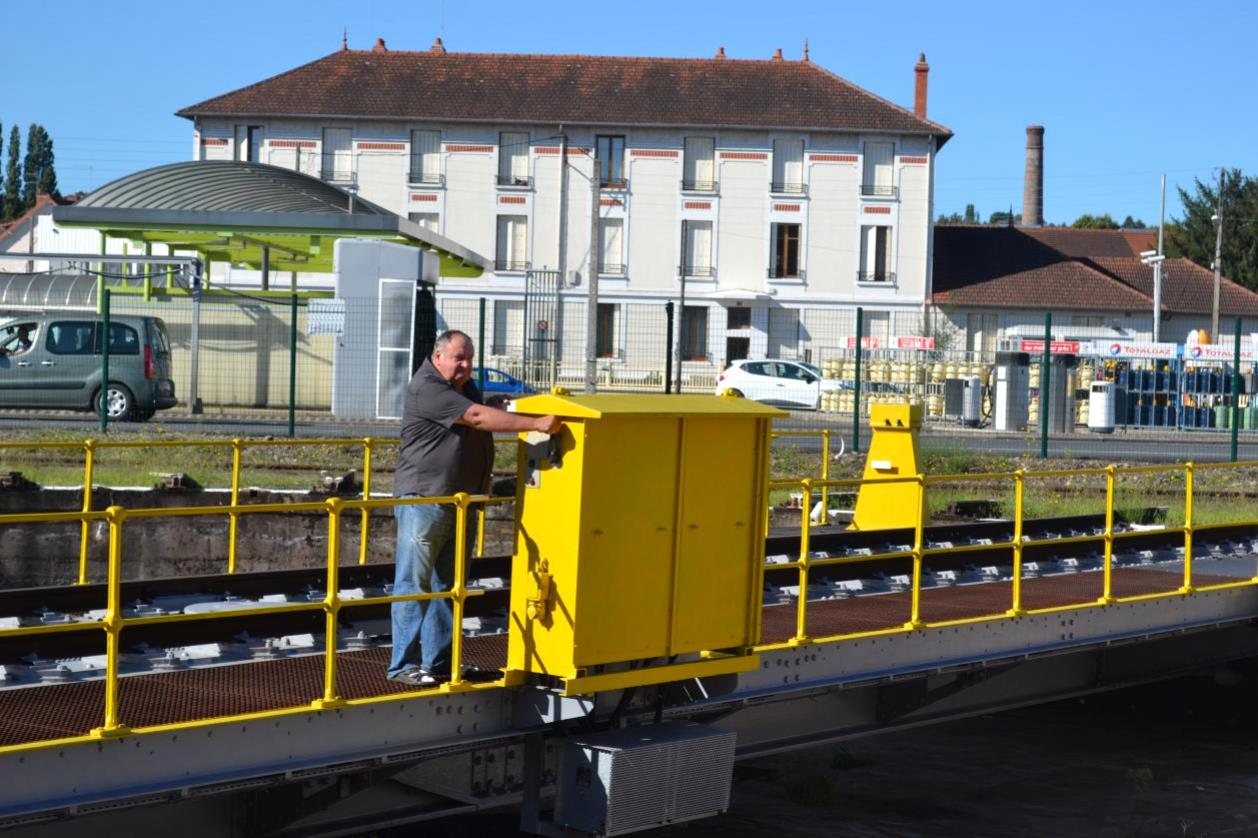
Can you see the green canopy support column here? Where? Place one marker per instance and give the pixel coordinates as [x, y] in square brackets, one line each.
[100, 276]
[292, 368]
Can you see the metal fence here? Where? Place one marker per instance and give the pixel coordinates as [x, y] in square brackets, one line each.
[240, 359]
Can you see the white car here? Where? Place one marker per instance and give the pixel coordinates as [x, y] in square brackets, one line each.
[783, 383]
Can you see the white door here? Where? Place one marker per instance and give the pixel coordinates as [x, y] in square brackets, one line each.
[797, 385]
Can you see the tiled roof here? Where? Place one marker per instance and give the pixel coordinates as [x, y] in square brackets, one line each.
[42, 200]
[1187, 288]
[569, 89]
[1088, 243]
[1057, 268]
[1002, 267]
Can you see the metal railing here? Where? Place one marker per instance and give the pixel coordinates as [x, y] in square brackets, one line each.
[514, 180]
[1016, 545]
[878, 190]
[707, 186]
[91, 448]
[887, 277]
[113, 623]
[510, 265]
[695, 270]
[611, 269]
[418, 178]
[788, 187]
[781, 272]
[613, 183]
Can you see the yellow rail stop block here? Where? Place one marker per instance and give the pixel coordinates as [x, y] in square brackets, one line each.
[639, 539]
[893, 454]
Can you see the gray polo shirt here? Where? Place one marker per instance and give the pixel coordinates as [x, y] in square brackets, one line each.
[439, 457]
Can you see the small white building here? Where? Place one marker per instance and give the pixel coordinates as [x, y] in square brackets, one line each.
[785, 195]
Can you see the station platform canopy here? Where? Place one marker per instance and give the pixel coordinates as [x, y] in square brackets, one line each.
[241, 212]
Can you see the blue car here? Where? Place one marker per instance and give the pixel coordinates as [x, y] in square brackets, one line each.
[497, 381]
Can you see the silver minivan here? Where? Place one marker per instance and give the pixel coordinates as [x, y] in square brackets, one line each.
[54, 361]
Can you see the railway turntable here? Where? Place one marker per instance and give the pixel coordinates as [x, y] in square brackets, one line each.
[648, 632]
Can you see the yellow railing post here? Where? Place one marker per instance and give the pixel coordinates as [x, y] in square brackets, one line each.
[1188, 490]
[237, 446]
[331, 608]
[112, 624]
[459, 589]
[915, 612]
[481, 512]
[805, 551]
[1107, 595]
[1019, 488]
[825, 476]
[89, 463]
[366, 513]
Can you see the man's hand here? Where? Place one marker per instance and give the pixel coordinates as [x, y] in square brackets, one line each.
[549, 425]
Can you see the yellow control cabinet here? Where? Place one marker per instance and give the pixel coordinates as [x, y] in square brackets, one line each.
[639, 539]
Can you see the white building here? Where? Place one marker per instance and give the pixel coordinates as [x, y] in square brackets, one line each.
[787, 195]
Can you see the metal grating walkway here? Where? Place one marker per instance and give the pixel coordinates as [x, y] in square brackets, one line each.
[29, 714]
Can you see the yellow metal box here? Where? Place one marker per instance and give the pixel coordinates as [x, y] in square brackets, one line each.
[639, 537]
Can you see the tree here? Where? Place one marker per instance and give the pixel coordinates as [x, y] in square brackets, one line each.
[13, 178]
[1002, 218]
[971, 215]
[1194, 234]
[1130, 223]
[1087, 221]
[39, 173]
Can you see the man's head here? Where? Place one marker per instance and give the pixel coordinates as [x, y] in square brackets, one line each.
[452, 356]
[24, 331]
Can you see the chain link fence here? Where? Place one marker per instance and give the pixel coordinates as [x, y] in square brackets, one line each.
[239, 360]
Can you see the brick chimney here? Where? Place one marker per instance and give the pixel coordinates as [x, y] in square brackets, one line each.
[1033, 184]
[920, 71]
[438, 47]
[380, 47]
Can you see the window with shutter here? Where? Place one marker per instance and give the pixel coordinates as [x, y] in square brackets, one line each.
[513, 159]
[699, 171]
[879, 174]
[338, 155]
[611, 246]
[426, 157]
[788, 167]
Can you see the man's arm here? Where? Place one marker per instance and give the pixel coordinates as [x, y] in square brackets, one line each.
[485, 418]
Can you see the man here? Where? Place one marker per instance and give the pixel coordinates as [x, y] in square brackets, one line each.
[447, 447]
[19, 344]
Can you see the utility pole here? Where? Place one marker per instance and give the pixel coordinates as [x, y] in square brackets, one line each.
[1157, 271]
[1218, 262]
[591, 311]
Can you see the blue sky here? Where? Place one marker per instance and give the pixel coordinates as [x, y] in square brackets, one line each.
[1127, 91]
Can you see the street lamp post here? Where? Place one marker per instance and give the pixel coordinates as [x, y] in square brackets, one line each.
[1155, 258]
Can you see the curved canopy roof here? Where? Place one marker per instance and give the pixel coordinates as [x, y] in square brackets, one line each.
[236, 211]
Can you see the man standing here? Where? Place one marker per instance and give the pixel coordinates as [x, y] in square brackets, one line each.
[447, 447]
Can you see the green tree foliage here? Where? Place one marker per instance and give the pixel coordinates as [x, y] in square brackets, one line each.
[13, 178]
[1130, 223]
[1002, 218]
[1087, 221]
[971, 215]
[1194, 234]
[39, 173]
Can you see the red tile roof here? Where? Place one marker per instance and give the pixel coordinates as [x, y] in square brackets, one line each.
[42, 199]
[1059, 268]
[570, 89]
[1187, 288]
[1002, 267]
[1087, 243]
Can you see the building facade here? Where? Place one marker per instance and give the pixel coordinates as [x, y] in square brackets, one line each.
[774, 195]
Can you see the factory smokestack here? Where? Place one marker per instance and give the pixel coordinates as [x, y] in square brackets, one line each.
[920, 71]
[1033, 185]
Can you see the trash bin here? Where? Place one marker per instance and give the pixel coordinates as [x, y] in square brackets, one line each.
[1101, 405]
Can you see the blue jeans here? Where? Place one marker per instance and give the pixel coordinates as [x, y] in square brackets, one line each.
[425, 564]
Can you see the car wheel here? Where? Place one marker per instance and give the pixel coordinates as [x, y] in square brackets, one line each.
[737, 393]
[119, 403]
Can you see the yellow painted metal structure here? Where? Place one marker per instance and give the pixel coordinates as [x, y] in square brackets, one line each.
[112, 627]
[885, 502]
[640, 538]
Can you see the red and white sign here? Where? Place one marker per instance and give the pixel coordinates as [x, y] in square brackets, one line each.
[866, 343]
[913, 342]
[1216, 352]
[1058, 347]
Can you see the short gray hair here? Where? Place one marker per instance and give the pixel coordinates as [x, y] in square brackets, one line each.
[447, 337]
